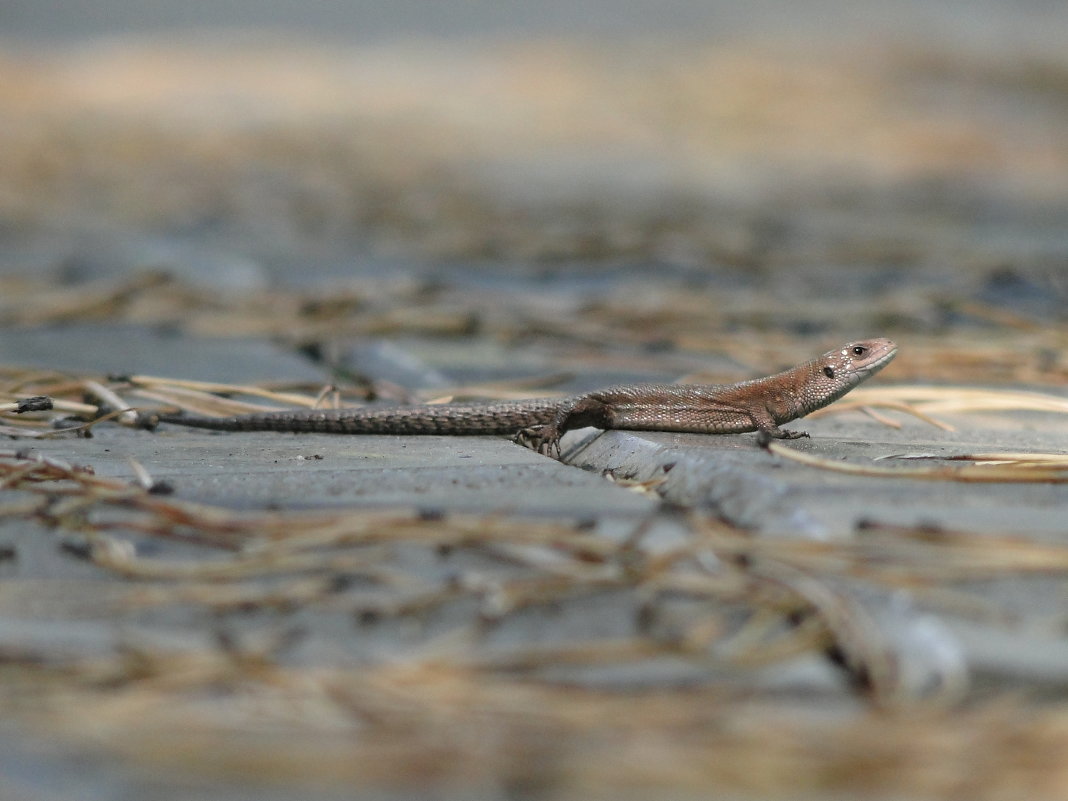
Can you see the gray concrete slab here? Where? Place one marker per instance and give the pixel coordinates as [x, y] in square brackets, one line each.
[288, 471]
[152, 350]
[761, 492]
[449, 362]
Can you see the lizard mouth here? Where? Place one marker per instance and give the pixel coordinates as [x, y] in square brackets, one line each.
[881, 362]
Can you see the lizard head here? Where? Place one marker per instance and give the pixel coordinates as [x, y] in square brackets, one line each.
[856, 361]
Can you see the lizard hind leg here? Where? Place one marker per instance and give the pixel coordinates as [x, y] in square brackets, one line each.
[585, 411]
[545, 439]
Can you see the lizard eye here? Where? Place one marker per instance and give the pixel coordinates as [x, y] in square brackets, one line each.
[859, 350]
[828, 371]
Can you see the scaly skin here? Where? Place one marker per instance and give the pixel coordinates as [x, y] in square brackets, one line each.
[762, 404]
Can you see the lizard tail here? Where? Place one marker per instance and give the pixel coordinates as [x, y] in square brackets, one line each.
[506, 417]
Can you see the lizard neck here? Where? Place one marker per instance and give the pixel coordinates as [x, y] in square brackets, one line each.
[805, 388]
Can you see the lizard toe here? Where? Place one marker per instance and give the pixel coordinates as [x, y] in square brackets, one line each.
[544, 439]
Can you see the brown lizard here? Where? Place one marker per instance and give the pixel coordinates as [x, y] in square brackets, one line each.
[762, 404]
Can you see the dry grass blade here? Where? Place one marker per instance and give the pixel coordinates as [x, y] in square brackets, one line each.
[869, 407]
[211, 389]
[25, 430]
[1037, 472]
[934, 400]
[649, 487]
[234, 595]
[924, 402]
[75, 407]
[111, 399]
[191, 400]
[910, 556]
[595, 652]
[1007, 458]
[119, 557]
[9, 407]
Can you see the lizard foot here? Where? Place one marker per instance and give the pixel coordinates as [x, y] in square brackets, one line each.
[544, 439]
[764, 436]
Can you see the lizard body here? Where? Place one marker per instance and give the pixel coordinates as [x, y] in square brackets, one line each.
[761, 404]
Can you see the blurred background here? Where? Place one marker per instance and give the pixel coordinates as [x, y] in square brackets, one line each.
[770, 144]
[994, 22]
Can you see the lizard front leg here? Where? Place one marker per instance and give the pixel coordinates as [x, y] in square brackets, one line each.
[768, 429]
[766, 436]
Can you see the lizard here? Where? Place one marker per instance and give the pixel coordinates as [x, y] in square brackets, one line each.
[759, 404]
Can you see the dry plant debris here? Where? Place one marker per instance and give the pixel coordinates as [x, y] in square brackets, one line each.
[650, 323]
[981, 468]
[458, 712]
